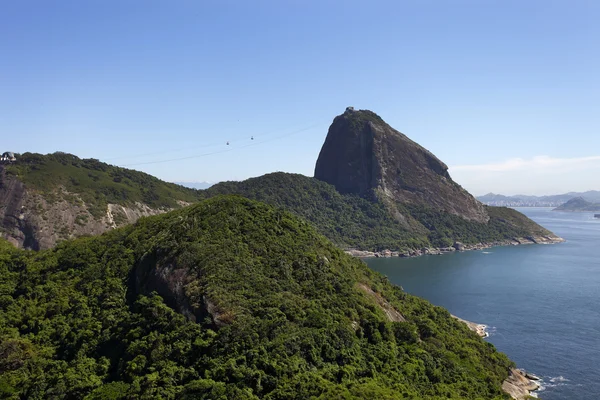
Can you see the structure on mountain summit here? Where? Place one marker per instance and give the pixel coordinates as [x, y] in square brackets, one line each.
[7, 157]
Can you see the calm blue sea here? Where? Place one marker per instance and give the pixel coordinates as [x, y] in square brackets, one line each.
[541, 302]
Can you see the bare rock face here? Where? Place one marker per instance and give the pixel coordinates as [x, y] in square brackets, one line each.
[518, 385]
[31, 221]
[179, 287]
[12, 193]
[364, 155]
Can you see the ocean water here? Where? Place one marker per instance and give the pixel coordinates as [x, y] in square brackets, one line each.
[540, 302]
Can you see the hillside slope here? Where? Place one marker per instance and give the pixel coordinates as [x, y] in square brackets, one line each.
[48, 198]
[352, 221]
[349, 221]
[228, 298]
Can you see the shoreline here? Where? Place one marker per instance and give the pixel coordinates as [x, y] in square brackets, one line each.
[457, 246]
[519, 384]
[479, 329]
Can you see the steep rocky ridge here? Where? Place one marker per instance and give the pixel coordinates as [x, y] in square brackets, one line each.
[364, 155]
[12, 193]
[45, 199]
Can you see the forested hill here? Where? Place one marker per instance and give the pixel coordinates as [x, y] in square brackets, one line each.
[353, 221]
[225, 299]
[347, 220]
[53, 197]
[96, 182]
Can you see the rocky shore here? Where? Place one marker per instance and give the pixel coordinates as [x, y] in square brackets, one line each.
[519, 383]
[457, 246]
[479, 329]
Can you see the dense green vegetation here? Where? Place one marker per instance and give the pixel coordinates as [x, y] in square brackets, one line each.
[505, 223]
[96, 183]
[279, 310]
[360, 117]
[351, 221]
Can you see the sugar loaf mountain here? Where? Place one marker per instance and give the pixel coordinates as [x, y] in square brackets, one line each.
[144, 289]
[374, 190]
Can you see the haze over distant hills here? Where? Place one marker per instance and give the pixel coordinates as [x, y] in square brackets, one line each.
[521, 200]
[578, 204]
[195, 185]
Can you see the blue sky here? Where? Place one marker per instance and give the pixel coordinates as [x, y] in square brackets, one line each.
[507, 93]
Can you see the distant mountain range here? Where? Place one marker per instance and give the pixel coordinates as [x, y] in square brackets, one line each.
[195, 185]
[520, 200]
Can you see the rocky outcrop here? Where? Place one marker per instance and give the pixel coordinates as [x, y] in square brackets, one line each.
[45, 199]
[16, 229]
[53, 222]
[364, 155]
[518, 385]
[179, 288]
[35, 221]
[479, 329]
[456, 247]
[390, 312]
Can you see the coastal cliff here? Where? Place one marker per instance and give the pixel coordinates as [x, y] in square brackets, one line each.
[364, 155]
[519, 384]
